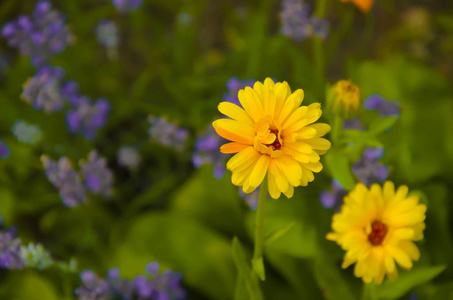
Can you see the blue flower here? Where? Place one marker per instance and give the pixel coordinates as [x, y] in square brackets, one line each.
[384, 107]
[4, 150]
[368, 169]
[334, 197]
[127, 5]
[98, 178]
[10, 256]
[167, 133]
[206, 151]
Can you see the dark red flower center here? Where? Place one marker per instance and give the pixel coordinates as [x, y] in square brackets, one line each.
[378, 232]
[276, 144]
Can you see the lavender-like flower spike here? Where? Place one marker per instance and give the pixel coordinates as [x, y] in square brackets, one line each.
[334, 197]
[167, 133]
[4, 150]
[35, 256]
[127, 5]
[66, 180]
[93, 287]
[87, 118]
[207, 152]
[297, 23]
[40, 35]
[42, 91]
[97, 177]
[354, 124]
[385, 107]
[368, 169]
[10, 256]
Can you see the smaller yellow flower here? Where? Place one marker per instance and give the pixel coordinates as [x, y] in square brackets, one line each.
[347, 95]
[363, 5]
[376, 227]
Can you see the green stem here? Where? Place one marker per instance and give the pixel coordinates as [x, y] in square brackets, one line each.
[257, 261]
[336, 129]
[369, 292]
[320, 9]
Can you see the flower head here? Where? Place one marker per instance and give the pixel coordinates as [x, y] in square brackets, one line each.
[347, 95]
[363, 5]
[271, 133]
[4, 150]
[368, 169]
[334, 197]
[167, 133]
[98, 178]
[10, 257]
[26, 133]
[384, 107]
[376, 227]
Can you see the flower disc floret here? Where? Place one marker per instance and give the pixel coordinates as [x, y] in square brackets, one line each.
[272, 134]
[377, 227]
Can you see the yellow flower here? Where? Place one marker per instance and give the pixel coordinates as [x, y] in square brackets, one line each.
[347, 95]
[271, 133]
[363, 5]
[376, 228]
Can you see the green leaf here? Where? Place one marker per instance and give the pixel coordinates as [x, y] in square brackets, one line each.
[338, 165]
[245, 273]
[31, 284]
[381, 124]
[258, 267]
[278, 233]
[406, 281]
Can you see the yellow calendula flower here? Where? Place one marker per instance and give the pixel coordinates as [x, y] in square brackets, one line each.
[377, 227]
[347, 95]
[271, 133]
[363, 5]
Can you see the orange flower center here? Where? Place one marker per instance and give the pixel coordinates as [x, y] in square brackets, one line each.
[276, 145]
[378, 232]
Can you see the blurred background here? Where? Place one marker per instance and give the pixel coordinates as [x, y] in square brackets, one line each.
[109, 160]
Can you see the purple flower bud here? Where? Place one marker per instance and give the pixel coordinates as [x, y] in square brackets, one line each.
[354, 124]
[98, 178]
[143, 286]
[8, 30]
[368, 169]
[385, 107]
[334, 197]
[4, 152]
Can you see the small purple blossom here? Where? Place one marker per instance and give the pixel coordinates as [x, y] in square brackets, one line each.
[4, 150]
[26, 133]
[127, 5]
[167, 133]
[385, 107]
[234, 85]
[152, 285]
[98, 178]
[368, 169]
[10, 255]
[354, 124]
[40, 35]
[128, 157]
[42, 91]
[87, 118]
[297, 23]
[63, 177]
[206, 151]
[93, 287]
[334, 197]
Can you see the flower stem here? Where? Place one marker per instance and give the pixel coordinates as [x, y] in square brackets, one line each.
[257, 261]
[369, 292]
[336, 129]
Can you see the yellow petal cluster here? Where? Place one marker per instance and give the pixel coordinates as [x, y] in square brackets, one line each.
[272, 133]
[347, 95]
[377, 228]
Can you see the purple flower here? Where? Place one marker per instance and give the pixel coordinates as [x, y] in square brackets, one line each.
[385, 107]
[334, 197]
[368, 169]
[4, 150]
[107, 33]
[297, 23]
[167, 133]
[206, 151]
[354, 124]
[166, 285]
[128, 157]
[97, 177]
[66, 180]
[10, 256]
[93, 287]
[42, 91]
[127, 5]
[87, 118]
[233, 86]
[40, 35]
